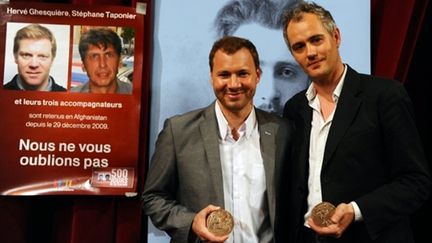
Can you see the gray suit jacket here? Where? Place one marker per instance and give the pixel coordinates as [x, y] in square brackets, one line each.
[185, 174]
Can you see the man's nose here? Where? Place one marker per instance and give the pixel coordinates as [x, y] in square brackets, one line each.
[234, 81]
[103, 61]
[34, 61]
[311, 50]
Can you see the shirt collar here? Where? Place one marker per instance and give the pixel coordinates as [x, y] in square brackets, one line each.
[225, 131]
[311, 92]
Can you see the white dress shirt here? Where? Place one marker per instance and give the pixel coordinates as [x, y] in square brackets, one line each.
[244, 181]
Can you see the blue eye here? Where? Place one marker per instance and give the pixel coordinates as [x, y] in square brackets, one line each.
[284, 70]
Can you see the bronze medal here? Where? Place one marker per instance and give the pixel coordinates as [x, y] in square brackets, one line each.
[220, 222]
[322, 213]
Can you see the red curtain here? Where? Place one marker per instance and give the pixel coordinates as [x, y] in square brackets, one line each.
[395, 26]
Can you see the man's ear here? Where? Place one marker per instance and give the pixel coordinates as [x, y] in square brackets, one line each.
[337, 36]
[258, 72]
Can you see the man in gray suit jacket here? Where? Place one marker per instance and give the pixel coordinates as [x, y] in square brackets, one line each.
[228, 155]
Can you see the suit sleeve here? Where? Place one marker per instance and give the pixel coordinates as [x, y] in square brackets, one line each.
[409, 183]
[159, 196]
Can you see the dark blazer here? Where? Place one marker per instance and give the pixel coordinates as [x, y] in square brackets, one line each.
[13, 85]
[186, 175]
[373, 156]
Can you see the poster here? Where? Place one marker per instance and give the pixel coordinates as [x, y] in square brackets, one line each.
[69, 118]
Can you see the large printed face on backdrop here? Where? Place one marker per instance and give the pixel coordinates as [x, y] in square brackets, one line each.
[281, 74]
[34, 60]
[180, 58]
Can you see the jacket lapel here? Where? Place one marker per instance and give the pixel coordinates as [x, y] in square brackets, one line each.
[267, 131]
[346, 111]
[210, 136]
[267, 143]
[302, 140]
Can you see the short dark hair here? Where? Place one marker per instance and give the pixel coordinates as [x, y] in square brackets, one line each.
[99, 36]
[230, 45]
[296, 14]
[264, 12]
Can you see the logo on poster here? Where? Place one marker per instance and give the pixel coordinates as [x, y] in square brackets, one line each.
[114, 177]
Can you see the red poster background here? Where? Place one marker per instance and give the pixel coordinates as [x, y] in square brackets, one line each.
[104, 142]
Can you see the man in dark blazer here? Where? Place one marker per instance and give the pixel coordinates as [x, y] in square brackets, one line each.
[356, 144]
[228, 155]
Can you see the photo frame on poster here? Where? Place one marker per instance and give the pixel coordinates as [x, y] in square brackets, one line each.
[59, 71]
[79, 75]
[63, 143]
